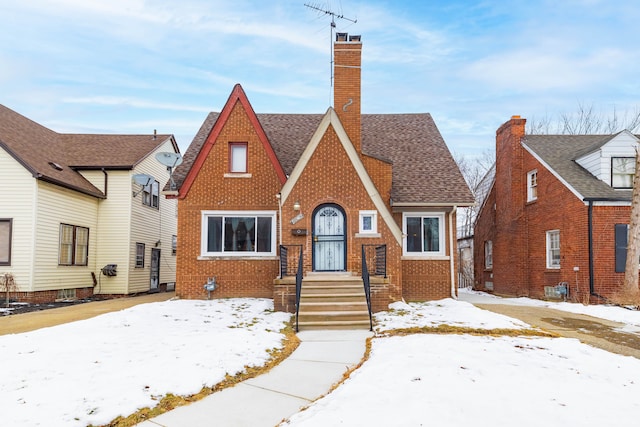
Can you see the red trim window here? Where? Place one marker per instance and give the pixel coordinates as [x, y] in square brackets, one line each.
[238, 157]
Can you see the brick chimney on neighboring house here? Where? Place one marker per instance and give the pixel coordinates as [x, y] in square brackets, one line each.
[510, 255]
[347, 60]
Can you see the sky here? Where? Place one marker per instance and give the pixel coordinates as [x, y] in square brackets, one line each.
[407, 380]
[132, 66]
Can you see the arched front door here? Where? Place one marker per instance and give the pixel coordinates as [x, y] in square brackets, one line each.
[329, 238]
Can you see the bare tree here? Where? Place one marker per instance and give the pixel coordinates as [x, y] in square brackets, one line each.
[630, 286]
[473, 170]
[585, 121]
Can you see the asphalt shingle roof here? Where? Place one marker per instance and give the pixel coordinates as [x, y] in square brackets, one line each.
[423, 169]
[56, 157]
[560, 153]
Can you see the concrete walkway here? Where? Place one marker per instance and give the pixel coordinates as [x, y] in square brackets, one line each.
[319, 362]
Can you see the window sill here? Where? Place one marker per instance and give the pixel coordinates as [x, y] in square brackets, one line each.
[368, 235]
[425, 258]
[269, 257]
[237, 175]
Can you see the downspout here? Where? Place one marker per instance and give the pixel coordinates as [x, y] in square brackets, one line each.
[590, 233]
[105, 181]
[451, 254]
[279, 197]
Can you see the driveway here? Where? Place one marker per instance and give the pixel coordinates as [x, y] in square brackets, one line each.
[15, 324]
[610, 336]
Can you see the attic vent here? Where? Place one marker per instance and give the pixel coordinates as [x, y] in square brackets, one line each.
[55, 166]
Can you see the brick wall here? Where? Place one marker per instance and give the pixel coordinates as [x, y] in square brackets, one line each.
[212, 191]
[519, 229]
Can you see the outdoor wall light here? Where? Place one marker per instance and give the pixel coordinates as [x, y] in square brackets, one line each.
[296, 206]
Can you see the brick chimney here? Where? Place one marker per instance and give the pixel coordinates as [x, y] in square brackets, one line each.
[347, 60]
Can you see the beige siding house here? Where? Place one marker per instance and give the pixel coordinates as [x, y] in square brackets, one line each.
[71, 208]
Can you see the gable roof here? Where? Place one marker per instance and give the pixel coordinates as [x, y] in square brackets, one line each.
[559, 152]
[424, 172]
[56, 158]
[207, 136]
[331, 119]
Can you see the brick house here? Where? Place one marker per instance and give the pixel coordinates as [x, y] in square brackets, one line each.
[557, 213]
[255, 185]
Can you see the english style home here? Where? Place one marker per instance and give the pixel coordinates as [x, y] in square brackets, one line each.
[258, 190]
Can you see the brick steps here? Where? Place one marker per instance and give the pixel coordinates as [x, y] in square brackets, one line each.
[337, 302]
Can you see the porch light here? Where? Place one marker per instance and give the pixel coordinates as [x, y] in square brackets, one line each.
[296, 206]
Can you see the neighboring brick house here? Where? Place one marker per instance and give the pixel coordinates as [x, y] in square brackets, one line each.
[558, 212]
[70, 207]
[253, 183]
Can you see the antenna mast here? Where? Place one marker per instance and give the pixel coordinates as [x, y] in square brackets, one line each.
[332, 28]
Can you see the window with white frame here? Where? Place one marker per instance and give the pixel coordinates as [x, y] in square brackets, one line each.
[139, 255]
[5, 240]
[553, 249]
[238, 233]
[623, 170]
[368, 222]
[73, 246]
[424, 233]
[488, 254]
[532, 185]
[151, 194]
[238, 157]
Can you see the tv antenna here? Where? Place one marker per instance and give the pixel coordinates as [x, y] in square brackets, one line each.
[331, 30]
[170, 160]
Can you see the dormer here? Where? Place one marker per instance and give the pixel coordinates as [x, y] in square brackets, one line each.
[612, 160]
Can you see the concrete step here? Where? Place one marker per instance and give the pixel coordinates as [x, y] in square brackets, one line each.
[356, 324]
[333, 317]
[333, 306]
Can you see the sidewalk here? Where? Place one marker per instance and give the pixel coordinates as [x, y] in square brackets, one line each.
[319, 362]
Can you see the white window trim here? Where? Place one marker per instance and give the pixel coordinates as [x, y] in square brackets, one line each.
[374, 222]
[203, 234]
[441, 234]
[530, 196]
[488, 260]
[613, 174]
[548, 249]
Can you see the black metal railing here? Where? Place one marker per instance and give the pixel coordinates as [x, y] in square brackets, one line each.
[366, 279]
[288, 261]
[376, 256]
[298, 287]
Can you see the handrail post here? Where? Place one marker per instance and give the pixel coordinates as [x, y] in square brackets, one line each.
[367, 285]
[298, 287]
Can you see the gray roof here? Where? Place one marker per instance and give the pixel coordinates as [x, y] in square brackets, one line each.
[56, 157]
[560, 153]
[423, 169]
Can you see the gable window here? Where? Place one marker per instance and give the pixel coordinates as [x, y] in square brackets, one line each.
[73, 245]
[238, 157]
[151, 194]
[424, 234]
[622, 171]
[532, 186]
[553, 249]
[238, 233]
[368, 222]
[5, 241]
[139, 255]
[488, 254]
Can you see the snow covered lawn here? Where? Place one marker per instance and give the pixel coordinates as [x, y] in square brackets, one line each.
[92, 371]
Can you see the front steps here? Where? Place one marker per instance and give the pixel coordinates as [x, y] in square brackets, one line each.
[333, 301]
